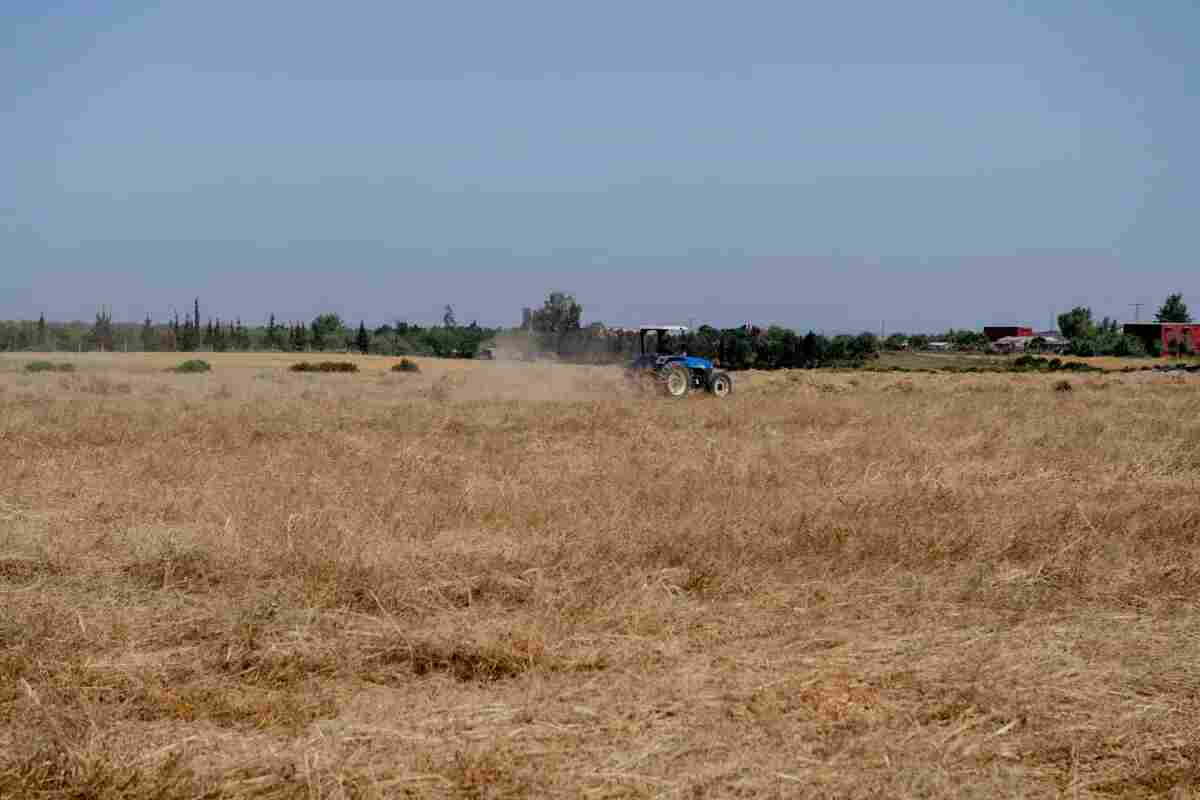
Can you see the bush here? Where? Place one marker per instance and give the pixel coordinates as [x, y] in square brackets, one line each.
[325, 366]
[192, 365]
[1039, 364]
[1027, 362]
[1063, 386]
[1129, 346]
[1079, 366]
[406, 365]
[46, 366]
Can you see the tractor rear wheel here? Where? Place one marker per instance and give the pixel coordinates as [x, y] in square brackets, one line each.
[677, 380]
[721, 384]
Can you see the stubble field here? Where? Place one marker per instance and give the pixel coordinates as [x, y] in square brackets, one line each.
[520, 580]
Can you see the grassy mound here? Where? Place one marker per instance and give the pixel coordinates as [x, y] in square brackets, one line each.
[325, 366]
[406, 365]
[192, 365]
[48, 366]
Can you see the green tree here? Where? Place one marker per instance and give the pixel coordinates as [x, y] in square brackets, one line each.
[149, 336]
[1129, 346]
[865, 345]
[779, 348]
[325, 329]
[557, 318]
[101, 334]
[241, 336]
[188, 337]
[299, 337]
[219, 341]
[274, 340]
[812, 349]
[1076, 323]
[1173, 309]
[737, 348]
[22, 336]
[41, 332]
[363, 340]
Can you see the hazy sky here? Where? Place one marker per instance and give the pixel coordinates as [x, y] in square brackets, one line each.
[826, 165]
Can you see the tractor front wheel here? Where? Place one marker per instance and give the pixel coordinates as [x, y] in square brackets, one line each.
[677, 380]
[721, 384]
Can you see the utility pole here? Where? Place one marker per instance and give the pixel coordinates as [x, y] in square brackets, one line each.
[1137, 311]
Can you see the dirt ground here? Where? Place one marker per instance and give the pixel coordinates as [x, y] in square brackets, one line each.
[526, 580]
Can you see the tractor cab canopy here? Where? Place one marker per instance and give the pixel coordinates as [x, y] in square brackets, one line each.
[662, 332]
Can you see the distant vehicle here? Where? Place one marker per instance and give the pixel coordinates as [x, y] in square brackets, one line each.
[675, 374]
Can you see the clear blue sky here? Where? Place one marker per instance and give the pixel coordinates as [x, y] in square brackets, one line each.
[825, 165]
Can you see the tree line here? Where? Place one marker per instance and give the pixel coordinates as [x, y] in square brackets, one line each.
[1106, 338]
[556, 327]
[193, 333]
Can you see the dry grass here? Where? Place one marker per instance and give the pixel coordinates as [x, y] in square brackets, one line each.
[493, 580]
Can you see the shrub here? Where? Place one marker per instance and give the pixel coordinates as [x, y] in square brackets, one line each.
[192, 365]
[406, 365]
[46, 366]
[1079, 366]
[1129, 346]
[325, 366]
[1029, 363]
[1063, 386]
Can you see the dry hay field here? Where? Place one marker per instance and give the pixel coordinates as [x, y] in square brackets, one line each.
[518, 580]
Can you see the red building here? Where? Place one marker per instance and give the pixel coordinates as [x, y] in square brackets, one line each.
[995, 332]
[1172, 338]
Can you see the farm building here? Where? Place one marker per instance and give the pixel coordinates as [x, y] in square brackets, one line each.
[1172, 337]
[1041, 343]
[995, 333]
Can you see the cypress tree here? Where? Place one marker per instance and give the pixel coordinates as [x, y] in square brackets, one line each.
[272, 334]
[363, 340]
[149, 339]
[102, 332]
[187, 336]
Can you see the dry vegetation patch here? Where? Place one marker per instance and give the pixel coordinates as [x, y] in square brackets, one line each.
[519, 580]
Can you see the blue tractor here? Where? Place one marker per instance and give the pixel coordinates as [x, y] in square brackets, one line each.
[675, 374]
